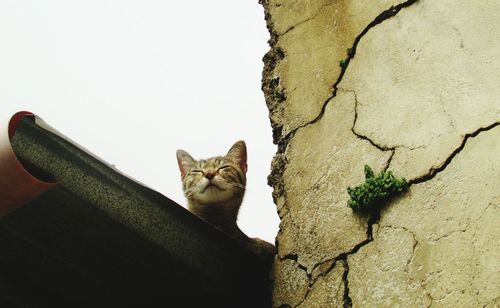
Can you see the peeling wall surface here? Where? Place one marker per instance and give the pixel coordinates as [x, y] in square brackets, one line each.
[407, 86]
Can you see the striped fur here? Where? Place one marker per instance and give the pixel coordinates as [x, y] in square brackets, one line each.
[214, 189]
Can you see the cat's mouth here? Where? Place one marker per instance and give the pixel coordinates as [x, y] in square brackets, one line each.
[211, 185]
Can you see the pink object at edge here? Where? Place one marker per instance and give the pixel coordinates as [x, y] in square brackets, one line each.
[17, 185]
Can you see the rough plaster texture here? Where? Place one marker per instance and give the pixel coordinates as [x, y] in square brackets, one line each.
[315, 35]
[441, 242]
[417, 94]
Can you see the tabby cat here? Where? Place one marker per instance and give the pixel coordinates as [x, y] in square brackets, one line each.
[214, 189]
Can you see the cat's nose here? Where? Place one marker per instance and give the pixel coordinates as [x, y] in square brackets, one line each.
[209, 175]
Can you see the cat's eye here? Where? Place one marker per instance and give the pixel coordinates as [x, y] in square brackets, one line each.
[226, 168]
[196, 171]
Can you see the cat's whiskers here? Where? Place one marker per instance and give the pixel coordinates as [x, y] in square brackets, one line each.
[234, 184]
[220, 206]
[194, 189]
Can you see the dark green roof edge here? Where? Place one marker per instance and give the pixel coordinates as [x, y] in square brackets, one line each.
[115, 240]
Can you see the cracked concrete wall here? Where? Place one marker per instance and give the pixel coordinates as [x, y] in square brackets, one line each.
[418, 94]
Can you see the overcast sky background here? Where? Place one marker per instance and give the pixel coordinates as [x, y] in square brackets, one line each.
[133, 81]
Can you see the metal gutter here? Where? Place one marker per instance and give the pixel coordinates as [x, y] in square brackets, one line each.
[100, 239]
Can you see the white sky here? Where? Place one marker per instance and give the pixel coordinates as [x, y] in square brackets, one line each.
[133, 81]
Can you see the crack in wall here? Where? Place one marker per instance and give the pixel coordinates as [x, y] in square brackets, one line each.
[330, 267]
[383, 148]
[295, 257]
[434, 171]
[353, 128]
[391, 12]
[342, 259]
[389, 160]
[464, 229]
[283, 142]
[360, 136]
[410, 261]
[305, 297]
[275, 95]
[450, 118]
[347, 298]
[415, 241]
[306, 20]
[270, 62]
[369, 238]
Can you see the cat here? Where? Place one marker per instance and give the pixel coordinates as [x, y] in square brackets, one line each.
[214, 189]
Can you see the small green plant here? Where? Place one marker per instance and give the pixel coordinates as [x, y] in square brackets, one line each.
[350, 52]
[374, 193]
[343, 63]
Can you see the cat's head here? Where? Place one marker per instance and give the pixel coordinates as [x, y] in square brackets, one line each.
[216, 179]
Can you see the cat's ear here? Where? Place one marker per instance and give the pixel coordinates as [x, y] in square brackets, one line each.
[185, 161]
[238, 153]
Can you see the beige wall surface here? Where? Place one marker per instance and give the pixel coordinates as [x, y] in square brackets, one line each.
[407, 86]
